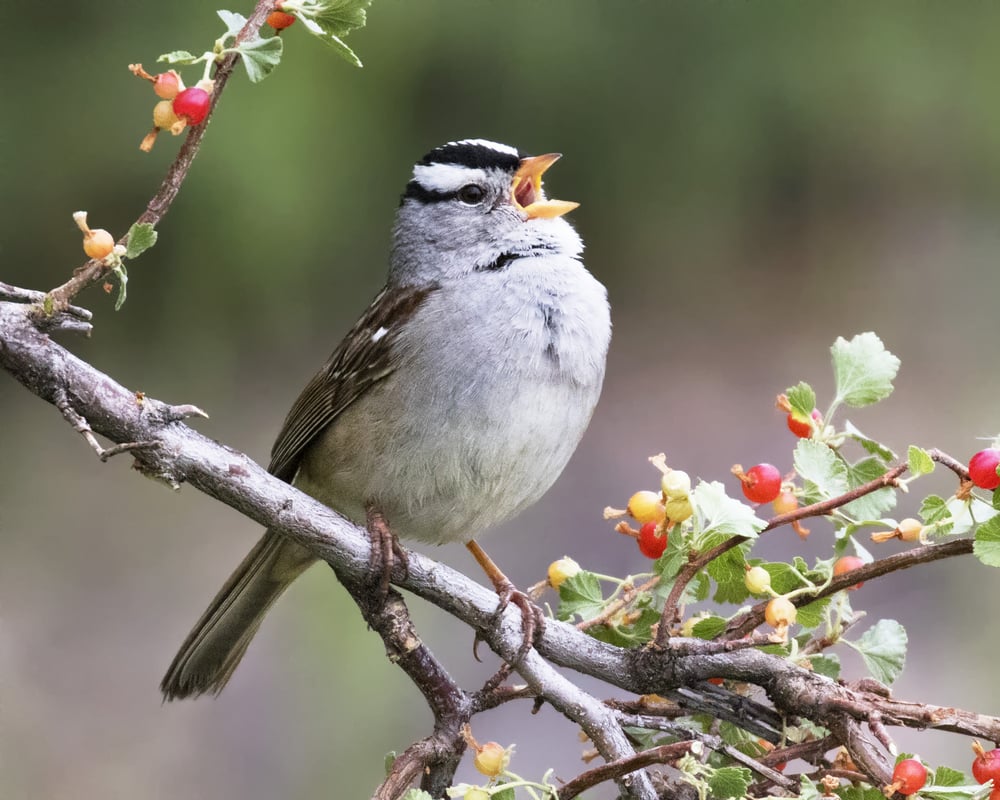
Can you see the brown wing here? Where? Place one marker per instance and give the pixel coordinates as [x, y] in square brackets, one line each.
[364, 357]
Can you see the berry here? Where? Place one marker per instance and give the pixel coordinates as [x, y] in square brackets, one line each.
[675, 484]
[645, 507]
[785, 502]
[983, 468]
[167, 85]
[652, 543]
[491, 759]
[987, 765]
[562, 569]
[803, 428]
[279, 20]
[97, 243]
[192, 104]
[163, 114]
[678, 509]
[848, 564]
[909, 776]
[761, 483]
[780, 612]
[909, 529]
[757, 580]
[476, 793]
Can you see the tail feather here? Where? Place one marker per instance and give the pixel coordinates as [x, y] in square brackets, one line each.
[213, 649]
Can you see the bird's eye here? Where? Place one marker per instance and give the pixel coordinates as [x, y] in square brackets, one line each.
[471, 194]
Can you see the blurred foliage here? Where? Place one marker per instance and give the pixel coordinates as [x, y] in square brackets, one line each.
[756, 179]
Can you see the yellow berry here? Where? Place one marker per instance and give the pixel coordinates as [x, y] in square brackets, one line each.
[163, 114]
[785, 502]
[475, 793]
[678, 509]
[562, 569]
[757, 580]
[910, 529]
[491, 759]
[98, 243]
[645, 506]
[780, 612]
[675, 484]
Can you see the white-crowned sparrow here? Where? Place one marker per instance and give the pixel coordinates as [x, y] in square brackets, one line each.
[457, 398]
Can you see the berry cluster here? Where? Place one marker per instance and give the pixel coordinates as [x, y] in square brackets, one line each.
[179, 107]
[656, 512]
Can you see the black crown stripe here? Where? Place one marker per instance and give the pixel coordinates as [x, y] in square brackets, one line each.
[475, 156]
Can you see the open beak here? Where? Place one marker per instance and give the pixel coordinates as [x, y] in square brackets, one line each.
[526, 189]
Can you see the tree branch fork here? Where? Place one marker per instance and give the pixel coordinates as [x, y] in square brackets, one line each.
[166, 448]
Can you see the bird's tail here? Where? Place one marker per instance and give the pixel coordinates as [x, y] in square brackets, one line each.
[213, 649]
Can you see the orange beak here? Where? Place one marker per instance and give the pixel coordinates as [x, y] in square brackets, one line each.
[526, 189]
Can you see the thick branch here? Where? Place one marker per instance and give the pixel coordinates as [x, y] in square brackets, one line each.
[183, 455]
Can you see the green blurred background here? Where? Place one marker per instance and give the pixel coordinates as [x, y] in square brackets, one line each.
[755, 178]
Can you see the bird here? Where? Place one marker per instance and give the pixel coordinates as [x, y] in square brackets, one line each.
[454, 402]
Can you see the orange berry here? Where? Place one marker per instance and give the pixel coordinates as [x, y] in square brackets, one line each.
[279, 20]
[785, 502]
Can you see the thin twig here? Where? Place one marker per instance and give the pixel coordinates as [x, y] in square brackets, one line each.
[699, 562]
[95, 270]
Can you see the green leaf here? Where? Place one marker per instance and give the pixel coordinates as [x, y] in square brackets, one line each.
[261, 56]
[883, 648]
[729, 782]
[987, 544]
[860, 793]
[331, 20]
[580, 594]
[863, 370]
[811, 615]
[141, 236]
[180, 57]
[718, 513]
[673, 558]
[728, 571]
[122, 275]
[802, 399]
[504, 794]
[808, 789]
[869, 444]
[818, 464]
[934, 511]
[875, 504]
[234, 22]
[827, 665]
[709, 627]
[417, 794]
[946, 776]
[919, 461]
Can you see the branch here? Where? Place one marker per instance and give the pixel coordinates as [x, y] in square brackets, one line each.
[182, 455]
[95, 269]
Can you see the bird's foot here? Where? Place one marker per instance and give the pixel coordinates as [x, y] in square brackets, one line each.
[386, 552]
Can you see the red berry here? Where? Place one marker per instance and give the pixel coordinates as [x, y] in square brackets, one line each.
[279, 20]
[193, 105]
[761, 483]
[909, 776]
[986, 765]
[847, 564]
[803, 428]
[983, 468]
[652, 543]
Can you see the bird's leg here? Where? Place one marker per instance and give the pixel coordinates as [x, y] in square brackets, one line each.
[532, 619]
[385, 552]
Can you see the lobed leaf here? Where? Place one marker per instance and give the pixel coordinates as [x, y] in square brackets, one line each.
[863, 369]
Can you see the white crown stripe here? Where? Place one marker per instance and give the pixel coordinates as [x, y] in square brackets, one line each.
[446, 177]
[500, 148]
